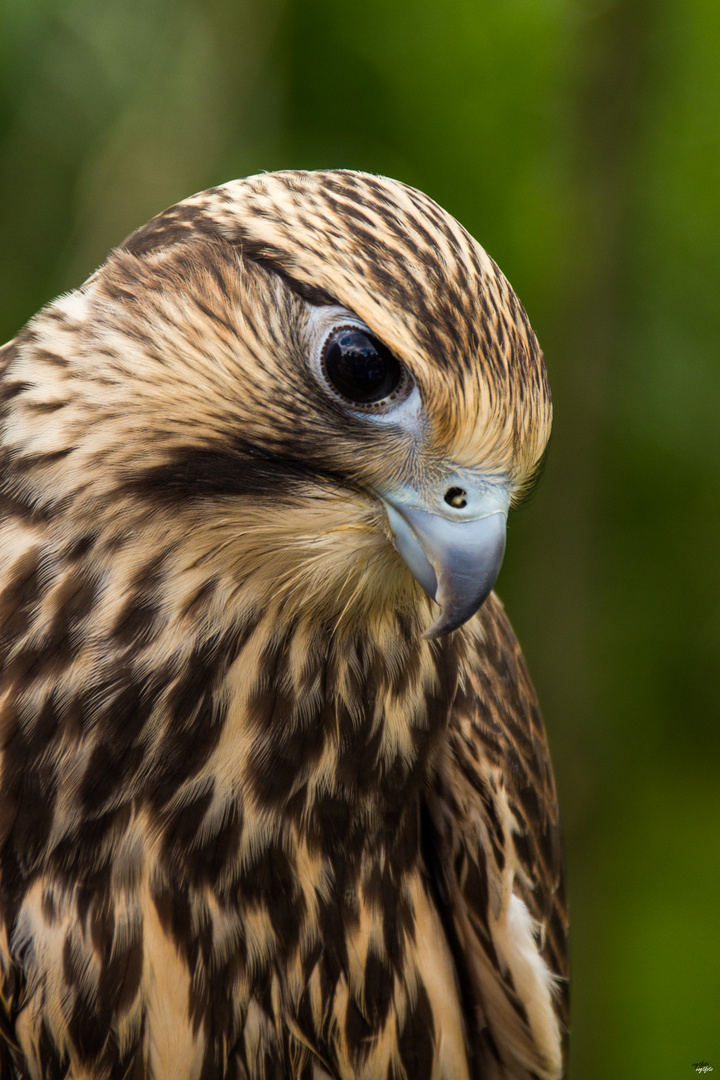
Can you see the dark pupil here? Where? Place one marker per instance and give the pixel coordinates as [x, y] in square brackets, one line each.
[360, 367]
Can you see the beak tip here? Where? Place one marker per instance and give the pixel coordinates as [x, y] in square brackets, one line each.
[453, 617]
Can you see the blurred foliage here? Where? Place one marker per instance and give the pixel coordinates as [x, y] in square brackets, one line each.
[579, 141]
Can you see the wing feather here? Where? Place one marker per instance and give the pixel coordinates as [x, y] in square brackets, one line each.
[494, 846]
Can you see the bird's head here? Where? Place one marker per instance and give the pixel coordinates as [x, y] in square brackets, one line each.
[294, 379]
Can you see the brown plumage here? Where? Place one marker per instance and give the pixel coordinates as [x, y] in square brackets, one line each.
[253, 823]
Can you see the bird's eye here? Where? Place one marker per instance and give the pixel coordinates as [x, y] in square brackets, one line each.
[361, 368]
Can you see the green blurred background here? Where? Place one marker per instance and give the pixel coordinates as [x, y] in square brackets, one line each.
[579, 141]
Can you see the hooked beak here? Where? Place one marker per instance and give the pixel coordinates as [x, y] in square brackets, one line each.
[455, 556]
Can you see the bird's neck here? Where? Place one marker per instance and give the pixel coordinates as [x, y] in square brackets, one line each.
[327, 727]
[318, 688]
[301, 747]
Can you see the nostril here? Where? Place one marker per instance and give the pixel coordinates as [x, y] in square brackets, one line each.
[456, 497]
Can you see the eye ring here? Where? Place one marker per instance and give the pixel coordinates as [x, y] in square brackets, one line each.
[361, 371]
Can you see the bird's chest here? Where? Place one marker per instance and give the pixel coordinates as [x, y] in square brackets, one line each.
[307, 954]
[283, 933]
[304, 963]
[348, 973]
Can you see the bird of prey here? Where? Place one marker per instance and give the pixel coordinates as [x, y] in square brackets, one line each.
[275, 795]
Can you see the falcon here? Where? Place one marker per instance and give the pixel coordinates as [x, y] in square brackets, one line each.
[275, 793]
